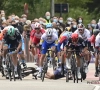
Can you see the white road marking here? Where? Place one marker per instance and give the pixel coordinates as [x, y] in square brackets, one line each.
[96, 87]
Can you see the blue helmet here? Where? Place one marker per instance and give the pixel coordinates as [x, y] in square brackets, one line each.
[49, 25]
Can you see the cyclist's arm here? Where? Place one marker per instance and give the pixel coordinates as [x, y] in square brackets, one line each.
[84, 45]
[20, 42]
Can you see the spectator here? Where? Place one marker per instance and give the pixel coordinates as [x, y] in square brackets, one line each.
[79, 20]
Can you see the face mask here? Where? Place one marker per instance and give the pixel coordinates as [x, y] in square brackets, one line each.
[16, 21]
[24, 18]
[74, 26]
[61, 21]
[41, 22]
[48, 17]
[13, 18]
[80, 21]
[93, 25]
[69, 23]
[55, 20]
[3, 18]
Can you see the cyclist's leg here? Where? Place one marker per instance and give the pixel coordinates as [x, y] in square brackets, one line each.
[96, 62]
[68, 55]
[78, 61]
[34, 50]
[87, 59]
[5, 47]
[43, 54]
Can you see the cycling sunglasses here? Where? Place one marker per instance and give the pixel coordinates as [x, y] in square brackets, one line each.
[80, 29]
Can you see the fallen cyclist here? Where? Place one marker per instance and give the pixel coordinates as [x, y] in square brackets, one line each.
[57, 74]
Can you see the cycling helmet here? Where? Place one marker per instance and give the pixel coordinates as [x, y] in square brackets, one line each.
[74, 37]
[37, 25]
[80, 26]
[49, 32]
[69, 34]
[11, 31]
[96, 31]
[49, 25]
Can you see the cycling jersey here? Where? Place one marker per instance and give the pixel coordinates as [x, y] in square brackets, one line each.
[63, 40]
[48, 43]
[53, 38]
[58, 73]
[92, 39]
[35, 37]
[97, 41]
[78, 46]
[12, 41]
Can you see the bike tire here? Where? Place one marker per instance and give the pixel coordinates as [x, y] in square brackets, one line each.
[13, 73]
[19, 71]
[42, 76]
[67, 78]
[76, 75]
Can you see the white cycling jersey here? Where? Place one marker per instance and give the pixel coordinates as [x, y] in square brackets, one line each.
[51, 40]
[97, 40]
[85, 35]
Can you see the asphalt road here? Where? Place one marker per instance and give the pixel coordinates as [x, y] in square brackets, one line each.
[28, 83]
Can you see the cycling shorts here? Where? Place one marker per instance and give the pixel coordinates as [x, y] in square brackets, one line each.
[46, 46]
[60, 46]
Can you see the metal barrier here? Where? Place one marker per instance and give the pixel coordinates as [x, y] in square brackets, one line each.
[29, 57]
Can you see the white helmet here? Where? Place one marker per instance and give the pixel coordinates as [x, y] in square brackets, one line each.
[49, 32]
[37, 25]
[69, 34]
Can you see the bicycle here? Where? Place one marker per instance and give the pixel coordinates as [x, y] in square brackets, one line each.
[73, 67]
[45, 65]
[10, 67]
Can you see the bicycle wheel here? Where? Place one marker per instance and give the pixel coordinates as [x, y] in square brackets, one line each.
[45, 68]
[74, 68]
[76, 75]
[13, 73]
[19, 71]
[42, 76]
[67, 79]
[81, 70]
[9, 68]
[2, 71]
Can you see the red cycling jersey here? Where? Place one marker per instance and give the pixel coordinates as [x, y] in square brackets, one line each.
[92, 39]
[35, 37]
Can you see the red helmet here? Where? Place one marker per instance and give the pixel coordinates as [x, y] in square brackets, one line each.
[37, 25]
[74, 37]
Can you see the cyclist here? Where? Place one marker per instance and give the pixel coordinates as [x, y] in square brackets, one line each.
[96, 42]
[35, 37]
[57, 74]
[48, 40]
[12, 40]
[85, 34]
[50, 25]
[63, 40]
[76, 43]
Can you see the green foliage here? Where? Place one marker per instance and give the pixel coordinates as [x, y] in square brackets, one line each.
[88, 9]
[75, 13]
